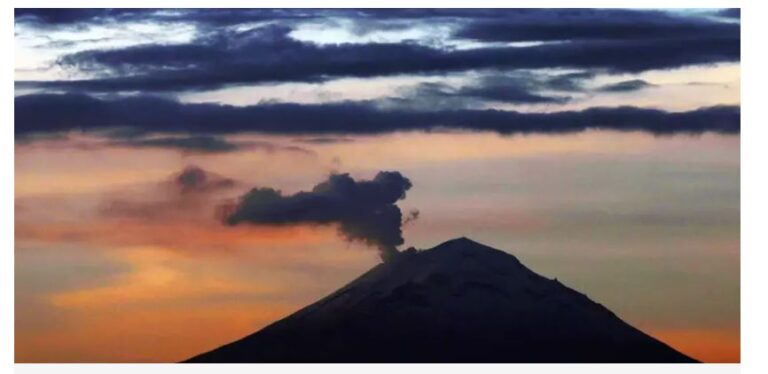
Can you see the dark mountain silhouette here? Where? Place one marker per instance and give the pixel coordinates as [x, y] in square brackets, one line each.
[458, 302]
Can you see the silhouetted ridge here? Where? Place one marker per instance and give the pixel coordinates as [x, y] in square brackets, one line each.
[461, 301]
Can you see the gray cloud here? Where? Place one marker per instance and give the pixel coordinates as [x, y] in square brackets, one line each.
[503, 87]
[187, 195]
[194, 179]
[59, 113]
[191, 144]
[626, 86]
[196, 144]
[224, 58]
[325, 140]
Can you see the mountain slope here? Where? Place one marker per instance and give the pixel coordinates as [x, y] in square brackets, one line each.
[458, 302]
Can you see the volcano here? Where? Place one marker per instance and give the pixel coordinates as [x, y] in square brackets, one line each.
[459, 302]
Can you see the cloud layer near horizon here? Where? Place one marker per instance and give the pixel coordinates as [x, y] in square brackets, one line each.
[60, 113]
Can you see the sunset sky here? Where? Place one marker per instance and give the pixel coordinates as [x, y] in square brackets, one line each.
[600, 147]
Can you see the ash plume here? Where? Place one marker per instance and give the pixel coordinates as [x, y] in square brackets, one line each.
[183, 195]
[363, 210]
[194, 179]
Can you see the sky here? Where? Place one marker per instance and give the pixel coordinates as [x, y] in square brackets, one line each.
[186, 177]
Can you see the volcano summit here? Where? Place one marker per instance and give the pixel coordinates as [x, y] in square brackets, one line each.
[458, 302]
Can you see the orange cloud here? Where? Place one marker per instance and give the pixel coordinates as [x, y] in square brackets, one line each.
[176, 235]
[157, 276]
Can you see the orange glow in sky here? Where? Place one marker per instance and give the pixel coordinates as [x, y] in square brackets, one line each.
[156, 285]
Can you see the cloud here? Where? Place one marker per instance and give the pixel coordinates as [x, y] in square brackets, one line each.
[191, 144]
[364, 210]
[512, 87]
[73, 16]
[325, 140]
[572, 82]
[537, 19]
[186, 195]
[205, 144]
[269, 54]
[442, 95]
[59, 113]
[193, 179]
[77, 17]
[626, 86]
[595, 24]
[730, 13]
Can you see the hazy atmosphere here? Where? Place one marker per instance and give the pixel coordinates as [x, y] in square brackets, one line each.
[173, 167]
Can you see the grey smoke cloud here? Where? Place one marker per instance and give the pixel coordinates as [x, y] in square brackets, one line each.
[186, 194]
[364, 210]
[195, 179]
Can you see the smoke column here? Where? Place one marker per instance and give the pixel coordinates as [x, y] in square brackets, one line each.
[364, 211]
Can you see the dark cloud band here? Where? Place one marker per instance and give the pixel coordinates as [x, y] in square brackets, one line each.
[596, 24]
[626, 86]
[205, 67]
[606, 40]
[36, 114]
